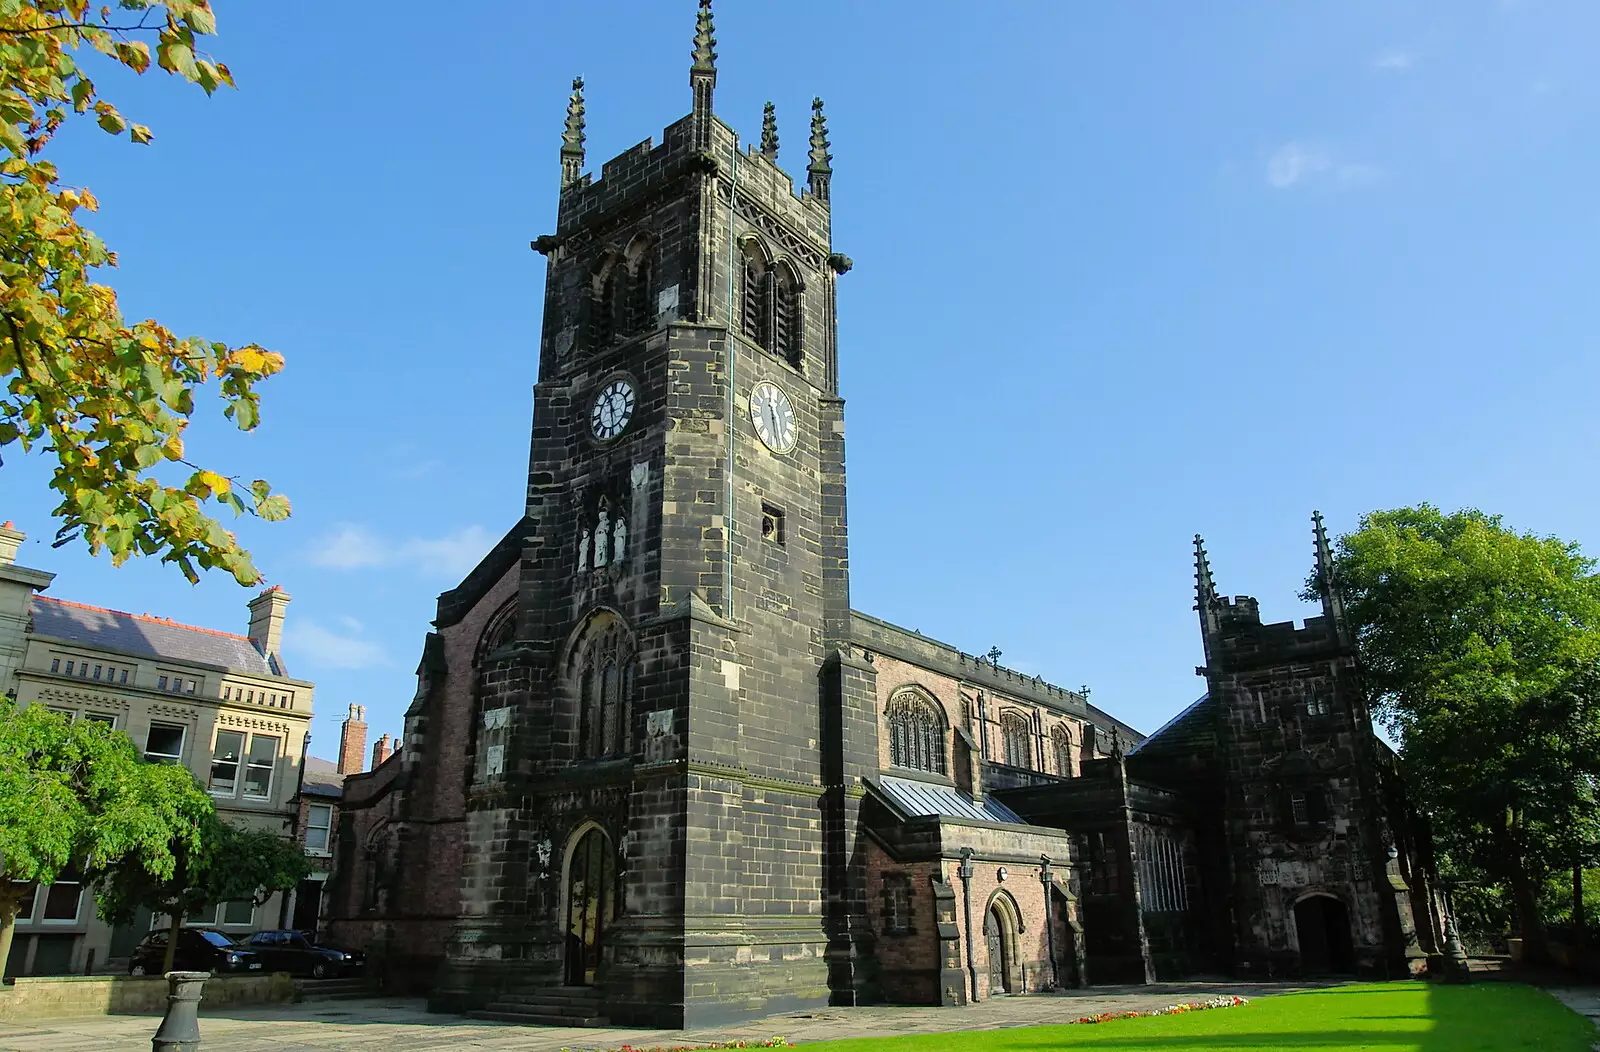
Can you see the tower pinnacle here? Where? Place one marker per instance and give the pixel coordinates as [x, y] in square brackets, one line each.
[1205, 589]
[820, 170]
[572, 138]
[703, 74]
[769, 132]
[1332, 603]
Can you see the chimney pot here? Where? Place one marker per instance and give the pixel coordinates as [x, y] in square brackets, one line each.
[353, 741]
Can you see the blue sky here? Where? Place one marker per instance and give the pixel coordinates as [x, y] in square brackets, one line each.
[1124, 273]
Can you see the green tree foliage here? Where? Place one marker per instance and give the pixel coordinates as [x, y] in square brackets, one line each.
[75, 794]
[108, 399]
[1482, 649]
[224, 864]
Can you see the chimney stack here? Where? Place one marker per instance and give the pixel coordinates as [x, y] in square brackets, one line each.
[380, 752]
[266, 622]
[11, 539]
[353, 741]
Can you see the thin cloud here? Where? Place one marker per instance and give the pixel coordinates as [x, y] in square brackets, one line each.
[1299, 163]
[1394, 61]
[354, 547]
[307, 640]
[1294, 163]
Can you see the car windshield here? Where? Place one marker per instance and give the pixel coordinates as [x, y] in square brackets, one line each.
[216, 938]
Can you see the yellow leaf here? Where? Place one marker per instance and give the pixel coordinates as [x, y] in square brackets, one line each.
[173, 448]
[215, 482]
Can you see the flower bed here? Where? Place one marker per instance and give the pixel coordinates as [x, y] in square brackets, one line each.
[1225, 1001]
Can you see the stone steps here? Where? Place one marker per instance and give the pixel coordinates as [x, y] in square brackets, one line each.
[546, 1006]
[333, 989]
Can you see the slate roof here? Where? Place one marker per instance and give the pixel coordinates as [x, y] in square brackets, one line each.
[915, 799]
[1189, 733]
[144, 636]
[322, 778]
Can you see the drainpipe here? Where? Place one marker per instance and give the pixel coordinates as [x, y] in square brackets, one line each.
[1047, 878]
[965, 873]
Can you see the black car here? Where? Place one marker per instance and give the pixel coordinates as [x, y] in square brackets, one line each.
[199, 950]
[300, 954]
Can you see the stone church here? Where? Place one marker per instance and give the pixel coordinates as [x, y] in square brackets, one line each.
[659, 772]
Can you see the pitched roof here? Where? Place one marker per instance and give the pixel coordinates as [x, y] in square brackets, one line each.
[322, 778]
[1190, 733]
[915, 799]
[145, 636]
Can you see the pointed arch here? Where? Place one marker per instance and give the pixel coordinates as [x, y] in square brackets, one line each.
[500, 629]
[1061, 746]
[599, 672]
[589, 900]
[640, 259]
[1002, 924]
[755, 298]
[608, 273]
[788, 315]
[916, 731]
[1016, 738]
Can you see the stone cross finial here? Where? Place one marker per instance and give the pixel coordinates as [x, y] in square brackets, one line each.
[769, 132]
[572, 137]
[820, 169]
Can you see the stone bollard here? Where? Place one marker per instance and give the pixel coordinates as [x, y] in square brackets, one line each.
[180, 1027]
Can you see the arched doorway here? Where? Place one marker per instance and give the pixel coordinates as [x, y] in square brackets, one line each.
[1323, 925]
[1000, 937]
[591, 904]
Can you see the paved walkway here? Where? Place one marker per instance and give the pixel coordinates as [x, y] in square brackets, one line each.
[394, 1025]
[1585, 1000]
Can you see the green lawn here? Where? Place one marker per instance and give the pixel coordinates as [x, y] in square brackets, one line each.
[1384, 1017]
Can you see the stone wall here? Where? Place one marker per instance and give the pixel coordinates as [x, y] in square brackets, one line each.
[69, 996]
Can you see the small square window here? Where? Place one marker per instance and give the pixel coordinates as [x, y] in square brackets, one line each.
[190, 689]
[55, 664]
[772, 524]
[164, 744]
[62, 900]
[124, 677]
[101, 717]
[83, 670]
[97, 672]
[161, 683]
[69, 668]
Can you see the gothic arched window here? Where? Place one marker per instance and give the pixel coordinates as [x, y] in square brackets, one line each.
[788, 327]
[1016, 739]
[641, 308]
[1061, 745]
[755, 301]
[602, 665]
[916, 734]
[609, 273]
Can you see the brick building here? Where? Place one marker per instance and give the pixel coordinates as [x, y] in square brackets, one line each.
[658, 771]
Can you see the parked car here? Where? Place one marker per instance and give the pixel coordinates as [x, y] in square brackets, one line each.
[199, 950]
[299, 953]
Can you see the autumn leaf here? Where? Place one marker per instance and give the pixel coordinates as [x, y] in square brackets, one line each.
[108, 400]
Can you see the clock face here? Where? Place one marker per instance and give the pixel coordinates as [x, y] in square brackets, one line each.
[613, 408]
[773, 417]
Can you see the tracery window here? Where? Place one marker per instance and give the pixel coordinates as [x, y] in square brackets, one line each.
[916, 734]
[1016, 740]
[1061, 745]
[603, 670]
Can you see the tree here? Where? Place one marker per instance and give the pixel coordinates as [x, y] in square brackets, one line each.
[1481, 647]
[108, 400]
[75, 794]
[225, 864]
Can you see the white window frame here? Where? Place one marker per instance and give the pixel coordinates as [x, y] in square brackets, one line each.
[238, 765]
[327, 830]
[108, 718]
[42, 905]
[222, 915]
[249, 765]
[183, 742]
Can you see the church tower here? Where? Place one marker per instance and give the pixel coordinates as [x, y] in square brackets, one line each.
[660, 830]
